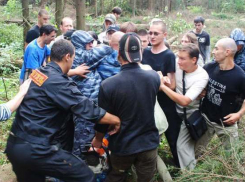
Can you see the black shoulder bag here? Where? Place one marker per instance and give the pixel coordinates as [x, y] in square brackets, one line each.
[195, 123]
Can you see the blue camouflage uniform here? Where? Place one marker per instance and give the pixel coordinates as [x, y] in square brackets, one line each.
[239, 37]
[102, 62]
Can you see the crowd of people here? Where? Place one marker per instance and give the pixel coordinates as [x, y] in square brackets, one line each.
[87, 87]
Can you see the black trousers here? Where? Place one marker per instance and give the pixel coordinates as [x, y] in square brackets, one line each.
[33, 162]
[172, 133]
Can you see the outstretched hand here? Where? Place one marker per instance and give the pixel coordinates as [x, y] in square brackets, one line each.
[24, 87]
[82, 70]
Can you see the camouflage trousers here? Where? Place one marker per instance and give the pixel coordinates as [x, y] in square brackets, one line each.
[83, 136]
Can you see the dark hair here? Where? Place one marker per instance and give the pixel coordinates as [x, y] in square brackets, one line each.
[117, 10]
[93, 34]
[199, 19]
[128, 27]
[42, 12]
[68, 34]
[142, 32]
[60, 48]
[191, 49]
[47, 29]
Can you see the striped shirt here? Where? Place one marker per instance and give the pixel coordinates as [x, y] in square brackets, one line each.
[5, 112]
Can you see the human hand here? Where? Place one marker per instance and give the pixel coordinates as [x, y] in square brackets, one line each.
[96, 142]
[232, 118]
[82, 70]
[113, 129]
[24, 87]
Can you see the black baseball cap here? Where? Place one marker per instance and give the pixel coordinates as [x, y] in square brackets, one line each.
[68, 34]
[130, 47]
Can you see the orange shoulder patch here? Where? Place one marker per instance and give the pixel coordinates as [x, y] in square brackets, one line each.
[38, 77]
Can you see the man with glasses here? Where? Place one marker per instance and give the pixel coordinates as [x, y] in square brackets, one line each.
[160, 58]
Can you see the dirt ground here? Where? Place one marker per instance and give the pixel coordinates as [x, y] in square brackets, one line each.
[6, 173]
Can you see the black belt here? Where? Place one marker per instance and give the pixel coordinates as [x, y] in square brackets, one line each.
[15, 139]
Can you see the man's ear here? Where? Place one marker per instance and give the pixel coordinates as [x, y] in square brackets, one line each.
[165, 34]
[194, 60]
[67, 57]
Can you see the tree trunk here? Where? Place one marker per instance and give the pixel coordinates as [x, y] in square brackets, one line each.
[59, 13]
[102, 7]
[26, 19]
[42, 4]
[96, 8]
[134, 7]
[80, 14]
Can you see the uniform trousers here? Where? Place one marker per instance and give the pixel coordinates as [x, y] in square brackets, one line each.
[33, 162]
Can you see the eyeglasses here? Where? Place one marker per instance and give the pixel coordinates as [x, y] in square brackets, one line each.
[154, 33]
[91, 42]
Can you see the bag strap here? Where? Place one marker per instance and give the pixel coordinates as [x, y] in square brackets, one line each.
[184, 91]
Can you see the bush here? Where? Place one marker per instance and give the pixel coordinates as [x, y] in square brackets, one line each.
[195, 9]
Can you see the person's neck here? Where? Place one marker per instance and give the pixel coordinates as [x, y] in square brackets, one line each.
[227, 64]
[192, 69]
[158, 48]
[40, 42]
[62, 66]
[197, 32]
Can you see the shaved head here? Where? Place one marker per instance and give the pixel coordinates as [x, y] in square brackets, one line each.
[228, 44]
[115, 38]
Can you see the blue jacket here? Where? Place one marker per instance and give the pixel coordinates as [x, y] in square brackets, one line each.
[101, 60]
[239, 38]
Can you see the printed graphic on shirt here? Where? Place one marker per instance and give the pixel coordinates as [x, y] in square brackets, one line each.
[215, 89]
[38, 77]
[202, 39]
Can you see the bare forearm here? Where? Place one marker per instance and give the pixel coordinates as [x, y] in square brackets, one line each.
[15, 102]
[177, 98]
[109, 119]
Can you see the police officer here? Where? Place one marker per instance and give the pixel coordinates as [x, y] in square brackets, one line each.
[34, 145]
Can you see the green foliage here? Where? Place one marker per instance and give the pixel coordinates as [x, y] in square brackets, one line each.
[13, 8]
[11, 47]
[222, 16]
[195, 9]
[233, 6]
[10, 33]
[12, 89]
[217, 164]
[178, 25]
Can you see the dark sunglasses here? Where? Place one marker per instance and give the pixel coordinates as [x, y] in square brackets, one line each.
[154, 33]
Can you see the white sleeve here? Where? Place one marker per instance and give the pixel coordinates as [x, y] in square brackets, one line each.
[195, 90]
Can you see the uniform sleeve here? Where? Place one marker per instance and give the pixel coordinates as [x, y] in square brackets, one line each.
[5, 112]
[31, 35]
[70, 98]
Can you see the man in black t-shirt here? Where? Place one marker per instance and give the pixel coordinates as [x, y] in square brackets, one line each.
[33, 33]
[203, 38]
[131, 95]
[224, 103]
[160, 58]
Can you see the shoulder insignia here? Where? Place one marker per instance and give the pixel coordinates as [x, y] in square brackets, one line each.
[38, 77]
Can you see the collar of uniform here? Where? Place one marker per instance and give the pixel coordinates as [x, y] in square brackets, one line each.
[55, 66]
[129, 66]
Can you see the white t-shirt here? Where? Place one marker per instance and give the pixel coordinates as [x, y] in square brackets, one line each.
[195, 82]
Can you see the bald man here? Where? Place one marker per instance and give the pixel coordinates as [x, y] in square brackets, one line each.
[223, 105]
[65, 25]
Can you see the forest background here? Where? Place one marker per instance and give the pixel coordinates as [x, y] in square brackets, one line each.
[221, 17]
